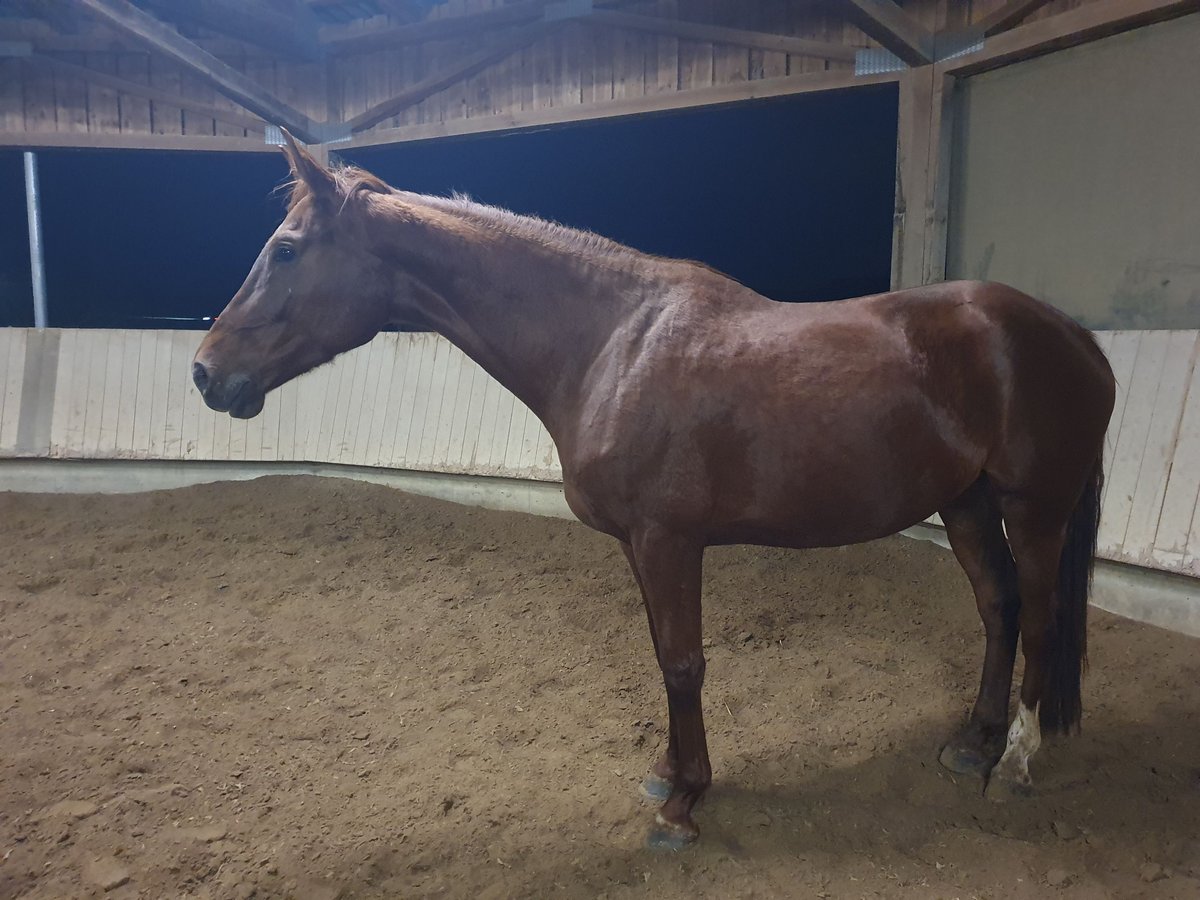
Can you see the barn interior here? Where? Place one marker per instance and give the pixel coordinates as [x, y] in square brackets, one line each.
[813, 149]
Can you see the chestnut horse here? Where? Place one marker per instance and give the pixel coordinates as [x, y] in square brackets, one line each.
[690, 411]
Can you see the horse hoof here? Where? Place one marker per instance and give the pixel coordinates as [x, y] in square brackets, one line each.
[1001, 789]
[665, 837]
[655, 788]
[965, 761]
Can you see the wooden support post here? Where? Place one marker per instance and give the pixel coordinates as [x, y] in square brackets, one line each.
[923, 157]
[941, 158]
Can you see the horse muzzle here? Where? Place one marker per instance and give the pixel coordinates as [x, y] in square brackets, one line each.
[239, 395]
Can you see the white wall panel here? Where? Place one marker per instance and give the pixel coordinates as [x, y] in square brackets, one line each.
[414, 401]
[12, 370]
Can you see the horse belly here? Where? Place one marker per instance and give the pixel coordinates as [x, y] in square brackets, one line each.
[846, 488]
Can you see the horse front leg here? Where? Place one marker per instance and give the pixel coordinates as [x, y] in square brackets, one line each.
[668, 569]
[657, 784]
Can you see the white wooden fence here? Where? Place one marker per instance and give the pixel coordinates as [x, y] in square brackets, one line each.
[405, 401]
[414, 401]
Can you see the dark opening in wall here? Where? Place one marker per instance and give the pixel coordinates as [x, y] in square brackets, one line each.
[792, 196]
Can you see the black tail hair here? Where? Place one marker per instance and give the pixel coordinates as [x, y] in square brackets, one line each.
[1061, 704]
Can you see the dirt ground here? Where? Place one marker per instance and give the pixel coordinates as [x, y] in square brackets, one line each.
[314, 688]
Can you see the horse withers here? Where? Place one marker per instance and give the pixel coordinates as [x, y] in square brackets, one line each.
[689, 411]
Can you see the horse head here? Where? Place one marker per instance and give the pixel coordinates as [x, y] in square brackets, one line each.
[315, 290]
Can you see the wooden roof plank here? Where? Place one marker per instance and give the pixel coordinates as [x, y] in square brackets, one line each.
[134, 89]
[523, 12]
[452, 74]
[739, 37]
[143, 28]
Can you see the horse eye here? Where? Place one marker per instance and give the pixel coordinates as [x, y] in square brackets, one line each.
[284, 253]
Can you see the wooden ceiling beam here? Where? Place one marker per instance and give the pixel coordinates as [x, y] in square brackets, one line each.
[145, 91]
[893, 28]
[1007, 16]
[292, 36]
[1077, 26]
[783, 86]
[738, 37]
[143, 28]
[452, 74]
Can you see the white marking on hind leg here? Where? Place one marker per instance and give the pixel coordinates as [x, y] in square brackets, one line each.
[1024, 738]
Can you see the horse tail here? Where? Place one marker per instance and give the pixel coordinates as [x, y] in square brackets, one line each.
[1061, 704]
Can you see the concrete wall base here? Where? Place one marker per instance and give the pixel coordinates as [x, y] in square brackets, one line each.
[1158, 598]
[120, 476]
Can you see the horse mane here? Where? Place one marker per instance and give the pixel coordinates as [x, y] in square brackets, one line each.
[533, 228]
[349, 179]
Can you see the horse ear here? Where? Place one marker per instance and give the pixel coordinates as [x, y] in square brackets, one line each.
[305, 168]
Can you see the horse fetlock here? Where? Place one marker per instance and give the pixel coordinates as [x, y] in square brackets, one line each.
[1010, 778]
[666, 767]
[655, 788]
[670, 835]
[1007, 783]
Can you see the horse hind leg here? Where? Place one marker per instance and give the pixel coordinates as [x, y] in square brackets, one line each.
[974, 527]
[1053, 550]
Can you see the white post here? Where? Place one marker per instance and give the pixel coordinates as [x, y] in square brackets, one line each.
[33, 209]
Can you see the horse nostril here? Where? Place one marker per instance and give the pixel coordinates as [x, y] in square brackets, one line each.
[200, 376]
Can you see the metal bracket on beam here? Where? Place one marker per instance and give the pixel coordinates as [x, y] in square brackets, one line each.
[948, 45]
[876, 61]
[332, 132]
[325, 132]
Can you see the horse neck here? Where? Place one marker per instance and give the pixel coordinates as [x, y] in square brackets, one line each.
[535, 314]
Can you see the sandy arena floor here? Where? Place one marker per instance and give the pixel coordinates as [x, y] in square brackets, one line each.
[315, 688]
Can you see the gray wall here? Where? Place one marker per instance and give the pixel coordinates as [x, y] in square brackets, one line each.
[1076, 177]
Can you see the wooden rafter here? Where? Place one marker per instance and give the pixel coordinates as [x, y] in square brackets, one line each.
[148, 31]
[736, 36]
[1007, 16]
[452, 74]
[1085, 23]
[293, 36]
[136, 89]
[895, 29]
